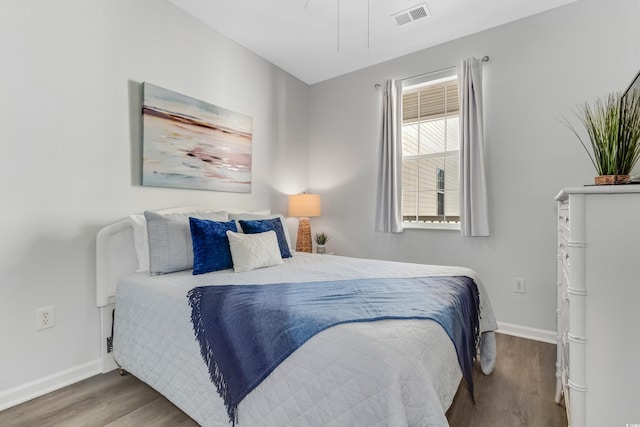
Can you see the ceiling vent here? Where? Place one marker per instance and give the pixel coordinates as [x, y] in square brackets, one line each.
[411, 15]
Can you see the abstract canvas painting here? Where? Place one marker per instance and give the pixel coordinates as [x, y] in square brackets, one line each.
[189, 143]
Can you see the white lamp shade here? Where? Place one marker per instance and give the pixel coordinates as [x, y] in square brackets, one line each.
[304, 205]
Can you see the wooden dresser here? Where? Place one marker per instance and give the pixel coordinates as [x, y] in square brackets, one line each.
[598, 305]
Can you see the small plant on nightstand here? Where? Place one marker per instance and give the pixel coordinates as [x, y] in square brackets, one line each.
[321, 241]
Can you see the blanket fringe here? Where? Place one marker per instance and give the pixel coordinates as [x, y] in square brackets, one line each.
[208, 354]
[472, 309]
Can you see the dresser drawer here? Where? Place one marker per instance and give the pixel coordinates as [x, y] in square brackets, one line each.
[563, 303]
[563, 219]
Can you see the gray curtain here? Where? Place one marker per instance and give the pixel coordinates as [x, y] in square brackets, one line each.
[389, 203]
[474, 217]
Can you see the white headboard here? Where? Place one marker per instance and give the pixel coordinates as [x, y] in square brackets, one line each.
[116, 258]
[116, 255]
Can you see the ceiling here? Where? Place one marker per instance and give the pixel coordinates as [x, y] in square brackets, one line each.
[316, 40]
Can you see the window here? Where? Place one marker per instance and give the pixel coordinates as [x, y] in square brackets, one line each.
[440, 190]
[430, 150]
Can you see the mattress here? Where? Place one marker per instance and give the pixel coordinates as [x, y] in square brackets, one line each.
[383, 373]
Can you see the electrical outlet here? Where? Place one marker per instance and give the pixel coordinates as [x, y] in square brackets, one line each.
[519, 285]
[45, 318]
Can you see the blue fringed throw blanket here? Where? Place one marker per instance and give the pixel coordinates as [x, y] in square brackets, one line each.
[245, 331]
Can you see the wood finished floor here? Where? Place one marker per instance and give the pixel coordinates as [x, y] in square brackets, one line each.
[519, 392]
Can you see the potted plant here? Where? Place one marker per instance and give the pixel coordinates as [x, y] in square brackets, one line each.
[613, 126]
[321, 240]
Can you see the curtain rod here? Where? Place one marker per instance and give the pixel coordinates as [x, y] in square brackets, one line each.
[378, 85]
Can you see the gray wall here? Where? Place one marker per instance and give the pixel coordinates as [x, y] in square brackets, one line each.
[541, 68]
[70, 163]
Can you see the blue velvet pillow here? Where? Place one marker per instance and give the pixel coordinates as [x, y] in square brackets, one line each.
[211, 250]
[253, 226]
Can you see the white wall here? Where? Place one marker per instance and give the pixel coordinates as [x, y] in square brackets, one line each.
[541, 68]
[70, 164]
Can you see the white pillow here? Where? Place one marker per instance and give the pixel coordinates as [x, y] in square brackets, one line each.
[251, 251]
[242, 211]
[251, 216]
[141, 241]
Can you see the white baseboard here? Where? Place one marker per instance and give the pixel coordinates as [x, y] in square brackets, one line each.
[526, 332]
[37, 388]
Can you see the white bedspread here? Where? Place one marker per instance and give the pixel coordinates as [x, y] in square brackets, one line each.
[385, 373]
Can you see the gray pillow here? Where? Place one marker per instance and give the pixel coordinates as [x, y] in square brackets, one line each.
[170, 245]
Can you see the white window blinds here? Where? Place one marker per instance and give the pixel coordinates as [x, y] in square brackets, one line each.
[430, 144]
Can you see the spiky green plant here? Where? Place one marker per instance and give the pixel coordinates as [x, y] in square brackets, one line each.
[613, 126]
[629, 133]
[322, 238]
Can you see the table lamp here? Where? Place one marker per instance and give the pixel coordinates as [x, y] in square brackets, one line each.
[304, 206]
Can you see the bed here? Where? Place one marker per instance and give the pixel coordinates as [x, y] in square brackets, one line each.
[384, 373]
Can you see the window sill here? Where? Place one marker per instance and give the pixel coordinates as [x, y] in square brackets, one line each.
[434, 226]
